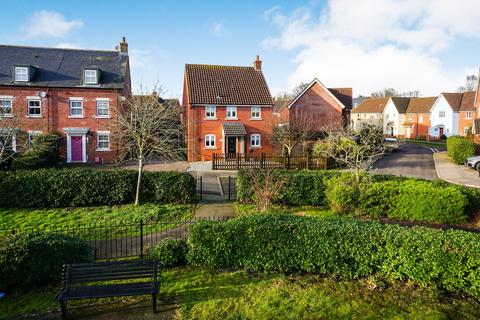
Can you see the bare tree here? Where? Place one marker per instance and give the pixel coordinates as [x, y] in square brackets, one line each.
[385, 93]
[148, 127]
[471, 82]
[290, 133]
[12, 139]
[266, 185]
[354, 151]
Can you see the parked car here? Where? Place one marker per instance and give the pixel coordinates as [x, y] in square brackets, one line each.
[473, 162]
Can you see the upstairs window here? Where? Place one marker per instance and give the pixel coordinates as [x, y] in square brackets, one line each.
[103, 108]
[441, 114]
[256, 112]
[210, 112]
[21, 74]
[255, 140]
[231, 112]
[34, 107]
[90, 76]
[76, 108]
[468, 115]
[6, 107]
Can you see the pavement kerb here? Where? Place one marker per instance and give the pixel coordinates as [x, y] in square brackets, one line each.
[449, 181]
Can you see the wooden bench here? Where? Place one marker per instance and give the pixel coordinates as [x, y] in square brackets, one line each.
[101, 280]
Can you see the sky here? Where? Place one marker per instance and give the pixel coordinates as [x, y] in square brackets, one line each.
[425, 45]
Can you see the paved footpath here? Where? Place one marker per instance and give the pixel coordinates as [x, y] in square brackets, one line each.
[455, 173]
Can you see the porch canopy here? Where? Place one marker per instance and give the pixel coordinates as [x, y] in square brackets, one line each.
[234, 129]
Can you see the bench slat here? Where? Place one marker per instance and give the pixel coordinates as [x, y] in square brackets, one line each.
[109, 291]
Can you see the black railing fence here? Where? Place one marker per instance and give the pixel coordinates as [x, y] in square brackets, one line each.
[121, 240]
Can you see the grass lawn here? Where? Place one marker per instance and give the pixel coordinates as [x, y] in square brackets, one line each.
[245, 209]
[63, 217]
[204, 294]
[426, 143]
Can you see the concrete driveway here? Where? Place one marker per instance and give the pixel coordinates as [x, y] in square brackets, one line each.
[410, 160]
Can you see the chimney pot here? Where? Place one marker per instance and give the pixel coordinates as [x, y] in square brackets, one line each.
[123, 47]
[257, 64]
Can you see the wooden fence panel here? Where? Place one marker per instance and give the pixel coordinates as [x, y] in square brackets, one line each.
[267, 161]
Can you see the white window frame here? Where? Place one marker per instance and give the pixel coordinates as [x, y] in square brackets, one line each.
[210, 141]
[466, 130]
[22, 74]
[255, 140]
[441, 114]
[87, 78]
[73, 100]
[102, 100]
[32, 134]
[103, 133]
[210, 112]
[468, 115]
[256, 113]
[232, 113]
[31, 99]
[9, 99]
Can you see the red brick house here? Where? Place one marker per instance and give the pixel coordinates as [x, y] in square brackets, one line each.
[318, 106]
[227, 109]
[69, 91]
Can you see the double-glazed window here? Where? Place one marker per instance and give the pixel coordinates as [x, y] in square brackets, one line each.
[210, 112]
[34, 107]
[256, 112]
[468, 115]
[210, 141]
[6, 107]
[255, 140]
[441, 114]
[32, 135]
[231, 112]
[21, 74]
[103, 106]
[103, 141]
[76, 108]
[90, 76]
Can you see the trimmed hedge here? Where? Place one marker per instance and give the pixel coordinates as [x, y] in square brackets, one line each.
[86, 187]
[169, 253]
[339, 247]
[42, 154]
[34, 259]
[460, 149]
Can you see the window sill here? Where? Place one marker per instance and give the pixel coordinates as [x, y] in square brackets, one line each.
[210, 148]
[76, 117]
[6, 116]
[102, 117]
[103, 150]
[34, 117]
[206, 119]
[255, 147]
[256, 119]
[231, 118]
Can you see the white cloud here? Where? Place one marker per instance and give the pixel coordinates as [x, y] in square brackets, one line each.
[217, 29]
[374, 44]
[49, 24]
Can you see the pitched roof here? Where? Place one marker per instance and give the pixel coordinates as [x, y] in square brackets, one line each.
[234, 129]
[371, 105]
[401, 103]
[420, 104]
[459, 101]
[57, 67]
[311, 84]
[226, 85]
[344, 95]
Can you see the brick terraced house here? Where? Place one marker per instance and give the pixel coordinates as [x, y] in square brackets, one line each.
[69, 91]
[227, 109]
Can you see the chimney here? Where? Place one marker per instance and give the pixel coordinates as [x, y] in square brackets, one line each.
[123, 47]
[257, 64]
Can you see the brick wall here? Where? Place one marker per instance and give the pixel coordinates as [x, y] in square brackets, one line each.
[55, 114]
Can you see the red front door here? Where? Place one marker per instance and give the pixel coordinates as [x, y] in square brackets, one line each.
[76, 148]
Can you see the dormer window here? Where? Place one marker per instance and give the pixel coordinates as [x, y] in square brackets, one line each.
[90, 76]
[21, 74]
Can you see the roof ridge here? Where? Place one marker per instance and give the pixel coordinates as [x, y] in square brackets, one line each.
[54, 48]
[217, 65]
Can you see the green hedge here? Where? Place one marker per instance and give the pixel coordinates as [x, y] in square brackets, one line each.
[339, 247]
[35, 259]
[42, 154]
[459, 149]
[85, 187]
[169, 253]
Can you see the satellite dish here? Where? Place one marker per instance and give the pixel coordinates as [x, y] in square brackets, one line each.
[41, 94]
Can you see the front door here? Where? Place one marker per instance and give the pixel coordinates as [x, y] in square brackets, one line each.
[76, 148]
[441, 132]
[231, 145]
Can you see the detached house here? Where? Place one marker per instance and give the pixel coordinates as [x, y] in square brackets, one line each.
[452, 114]
[368, 112]
[69, 91]
[227, 109]
[394, 116]
[318, 106]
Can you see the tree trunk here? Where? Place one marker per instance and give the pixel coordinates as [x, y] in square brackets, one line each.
[139, 181]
